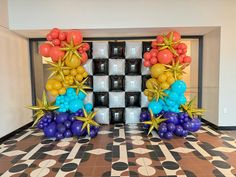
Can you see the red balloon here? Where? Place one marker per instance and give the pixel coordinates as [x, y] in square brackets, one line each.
[147, 56]
[159, 39]
[154, 52]
[44, 49]
[76, 36]
[56, 53]
[55, 33]
[154, 44]
[84, 57]
[56, 42]
[153, 60]
[187, 59]
[146, 63]
[180, 59]
[62, 36]
[176, 36]
[86, 47]
[49, 37]
[165, 56]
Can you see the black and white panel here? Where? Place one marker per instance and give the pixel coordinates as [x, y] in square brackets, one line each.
[118, 78]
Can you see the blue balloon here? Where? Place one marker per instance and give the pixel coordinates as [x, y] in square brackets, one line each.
[88, 107]
[173, 96]
[76, 128]
[155, 107]
[50, 130]
[81, 95]
[179, 87]
[75, 105]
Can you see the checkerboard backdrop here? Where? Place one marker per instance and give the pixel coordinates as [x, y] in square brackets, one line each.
[118, 78]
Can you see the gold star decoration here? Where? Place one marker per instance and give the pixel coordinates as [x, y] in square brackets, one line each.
[154, 121]
[80, 86]
[57, 68]
[42, 108]
[156, 93]
[176, 68]
[169, 44]
[191, 111]
[88, 120]
[71, 49]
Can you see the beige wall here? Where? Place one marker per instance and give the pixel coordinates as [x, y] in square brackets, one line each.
[4, 13]
[15, 87]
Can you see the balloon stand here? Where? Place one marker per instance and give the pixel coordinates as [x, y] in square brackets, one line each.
[169, 112]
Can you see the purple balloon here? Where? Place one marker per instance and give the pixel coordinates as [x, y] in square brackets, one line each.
[93, 133]
[59, 135]
[45, 124]
[50, 130]
[171, 127]
[76, 128]
[168, 135]
[187, 125]
[49, 115]
[185, 133]
[181, 115]
[61, 128]
[144, 116]
[79, 112]
[67, 123]
[68, 134]
[178, 130]
[71, 117]
[61, 117]
[162, 128]
[40, 125]
[161, 135]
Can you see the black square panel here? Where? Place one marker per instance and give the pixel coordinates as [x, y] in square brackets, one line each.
[117, 83]
[117, 115]
[132, 99]
[147, 46]
[90, 51]
[89, 82]
[116, 49]
[144, 80]
[100, 66]
[101, 99]
[133, 66]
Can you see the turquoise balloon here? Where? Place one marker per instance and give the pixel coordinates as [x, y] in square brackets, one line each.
[88, 107]
[170, 102]
[161, 102]
[182, 100]
[173, 96]
[70, 91]
[179, 87]
[167, 91]
[81, 95]
[155, 107]
[75, 105]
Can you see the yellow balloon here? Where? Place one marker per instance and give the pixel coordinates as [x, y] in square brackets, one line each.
[73, 62]
[80, 69]
[168, 73]
[170, 80]
[145, 92]
[157, 69]
[71, 81]
[66, 72]
[49, 86]
[59, 77]
[179, 77]
[150, 82]
[73, 72]
[62, 91]
[57, 85]
[85, 74]
[79, 77]
[162, 78]
[54, 92]
[165, 85]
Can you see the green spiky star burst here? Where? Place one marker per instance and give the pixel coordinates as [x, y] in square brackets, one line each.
[71, 49]
[176, 68]
[168, 44]
[80, 86]
[88, 120]
[154, 121]
[157, 92]
[191, 109]
[42, 107]
[57, 68]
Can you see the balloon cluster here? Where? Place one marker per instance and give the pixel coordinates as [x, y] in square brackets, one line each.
[64, 125]
[165, 49]
[165, 90]
[68, 116]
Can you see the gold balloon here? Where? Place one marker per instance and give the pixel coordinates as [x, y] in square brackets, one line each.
[62, 91]
[73, 72]
[150, 82]
[54, 92]
[73, 62]
[162, 78]
[57, 85]
[170, 80]
[157, 69]
[79, 77]
[80, 70]
[165, 85]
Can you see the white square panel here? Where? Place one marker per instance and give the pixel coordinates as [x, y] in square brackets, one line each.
[144, 100]
[116, 99]
[145, 70]
[102, 116]
[100, 49]
[88, 66]
[89, 98]
[116, 67]
[100, 83]
[133, 50]
[132, 115]
[133, 83]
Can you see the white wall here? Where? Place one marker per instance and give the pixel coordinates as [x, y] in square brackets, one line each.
[15, 88]
[107, 14]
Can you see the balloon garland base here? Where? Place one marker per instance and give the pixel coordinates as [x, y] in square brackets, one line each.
[178, 124]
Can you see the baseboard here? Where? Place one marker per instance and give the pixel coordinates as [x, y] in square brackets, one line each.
[6, 137]
[218, 127]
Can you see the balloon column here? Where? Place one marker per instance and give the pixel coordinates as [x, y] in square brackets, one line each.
[68, 116]
[165, 90]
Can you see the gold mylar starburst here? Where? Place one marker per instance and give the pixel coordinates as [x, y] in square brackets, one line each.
[188, 107]
[169, 44]
[176, 68]
[154, 122]
[157, 92]
[71, 49]
[79, 86]
[88, 120]
[57, 68]
[42, 107]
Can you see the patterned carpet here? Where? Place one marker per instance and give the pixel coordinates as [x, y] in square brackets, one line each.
[119, 150]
